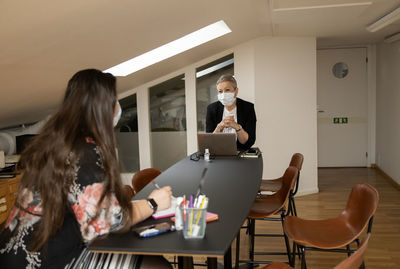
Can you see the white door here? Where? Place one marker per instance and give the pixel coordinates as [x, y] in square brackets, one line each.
[342, 107]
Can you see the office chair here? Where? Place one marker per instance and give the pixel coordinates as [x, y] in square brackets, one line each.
[352, 262]
[264, 208]
[129, 191]
[335, 233]
[143, 177]
[274, 185]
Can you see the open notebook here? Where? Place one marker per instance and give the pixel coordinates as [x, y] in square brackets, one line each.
[169, 212]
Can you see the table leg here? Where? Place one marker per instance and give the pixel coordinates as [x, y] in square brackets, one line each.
[185, 262]
[212, 263]
[228, 259]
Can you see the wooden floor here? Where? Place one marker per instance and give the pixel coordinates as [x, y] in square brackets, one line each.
[334, 186]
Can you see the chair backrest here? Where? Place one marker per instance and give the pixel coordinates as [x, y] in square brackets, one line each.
[355, 260]
[143, 177]
[288, 181]
[361, 206]
[129, 191]
[297, 161]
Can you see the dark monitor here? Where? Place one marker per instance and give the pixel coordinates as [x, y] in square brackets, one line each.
[22, 141]
[219, 144]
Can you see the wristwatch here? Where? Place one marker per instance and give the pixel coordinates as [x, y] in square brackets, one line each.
[153, 205]
[240, 128]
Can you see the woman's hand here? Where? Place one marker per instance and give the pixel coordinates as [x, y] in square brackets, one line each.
[228, 121]
[162, 197]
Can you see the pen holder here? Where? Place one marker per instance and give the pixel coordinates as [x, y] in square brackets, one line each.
[194, 222]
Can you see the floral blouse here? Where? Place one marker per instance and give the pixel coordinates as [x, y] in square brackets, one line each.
[80, 223]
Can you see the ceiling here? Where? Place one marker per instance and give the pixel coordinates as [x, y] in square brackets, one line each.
[43, 43]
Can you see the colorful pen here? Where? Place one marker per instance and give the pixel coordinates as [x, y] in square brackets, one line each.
[191, 201]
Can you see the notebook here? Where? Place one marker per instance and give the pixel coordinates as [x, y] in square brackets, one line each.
[167, 212]
[209, 217]
[220, 144]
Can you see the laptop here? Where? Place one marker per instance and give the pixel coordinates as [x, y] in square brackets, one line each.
[220, 144]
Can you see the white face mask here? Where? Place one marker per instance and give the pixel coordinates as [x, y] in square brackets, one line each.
[226, 98]
[118, 116]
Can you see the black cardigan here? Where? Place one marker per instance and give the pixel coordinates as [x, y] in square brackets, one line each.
[246, 116]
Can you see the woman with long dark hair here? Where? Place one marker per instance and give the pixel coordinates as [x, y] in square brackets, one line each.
[71, 191]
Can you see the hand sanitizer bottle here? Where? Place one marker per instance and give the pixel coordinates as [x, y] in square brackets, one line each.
[207, 155]
[178, 214]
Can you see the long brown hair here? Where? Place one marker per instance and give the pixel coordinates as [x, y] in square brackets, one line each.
[87, 110]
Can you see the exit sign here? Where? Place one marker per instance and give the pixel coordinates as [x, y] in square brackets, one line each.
[341, 120]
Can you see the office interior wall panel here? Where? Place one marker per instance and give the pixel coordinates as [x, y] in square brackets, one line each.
[388, 109]
[244, 71]
[285, 98]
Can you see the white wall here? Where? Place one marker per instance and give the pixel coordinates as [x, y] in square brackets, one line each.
[279, 76]
[388, 109]
[285, 100]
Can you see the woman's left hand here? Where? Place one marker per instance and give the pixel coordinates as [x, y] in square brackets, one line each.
[162, 197]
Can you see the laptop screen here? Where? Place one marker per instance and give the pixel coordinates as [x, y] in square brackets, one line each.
[220, 144]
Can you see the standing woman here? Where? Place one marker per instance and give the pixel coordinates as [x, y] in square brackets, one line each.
[71, 191]
[231, 114]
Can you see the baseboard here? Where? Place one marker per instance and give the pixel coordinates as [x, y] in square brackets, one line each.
[388, 178]
[307, 192]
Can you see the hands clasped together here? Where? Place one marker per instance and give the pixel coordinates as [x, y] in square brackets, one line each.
[228, 121]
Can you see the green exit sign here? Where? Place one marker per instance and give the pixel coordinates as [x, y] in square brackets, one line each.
[341, 120]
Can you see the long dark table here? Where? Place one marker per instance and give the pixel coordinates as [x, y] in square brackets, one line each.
[231, 184]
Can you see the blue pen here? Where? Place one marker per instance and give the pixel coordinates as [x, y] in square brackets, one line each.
[152, 233]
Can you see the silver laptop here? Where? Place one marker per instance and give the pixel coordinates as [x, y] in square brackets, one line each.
[221, 144]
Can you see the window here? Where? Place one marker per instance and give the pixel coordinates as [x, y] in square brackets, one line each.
[126, 133]
[168, 122]
[340, 70]
[206, 90]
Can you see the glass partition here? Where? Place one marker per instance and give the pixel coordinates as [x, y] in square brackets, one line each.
[206, 90]
[168, 122]
[126, 133]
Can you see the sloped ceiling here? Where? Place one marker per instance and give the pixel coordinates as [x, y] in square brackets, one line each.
[43, 43]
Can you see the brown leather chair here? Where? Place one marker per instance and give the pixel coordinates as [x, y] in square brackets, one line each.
[274, 185]
[264, 208]
[129, 191]
[144, 177]
[354, 261]
[336, 233]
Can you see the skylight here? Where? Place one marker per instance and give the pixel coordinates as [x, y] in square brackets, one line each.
[170, 49]
[213, 68]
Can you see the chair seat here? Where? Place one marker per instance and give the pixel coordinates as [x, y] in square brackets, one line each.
[271, 184]
[277, 265]
[265, 206]
[327, 234]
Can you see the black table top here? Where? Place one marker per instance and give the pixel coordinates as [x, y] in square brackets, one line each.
[231, 183]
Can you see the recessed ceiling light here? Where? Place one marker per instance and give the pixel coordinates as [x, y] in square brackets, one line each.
[170, 49]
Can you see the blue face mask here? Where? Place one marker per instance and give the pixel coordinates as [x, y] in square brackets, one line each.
[118, 116]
